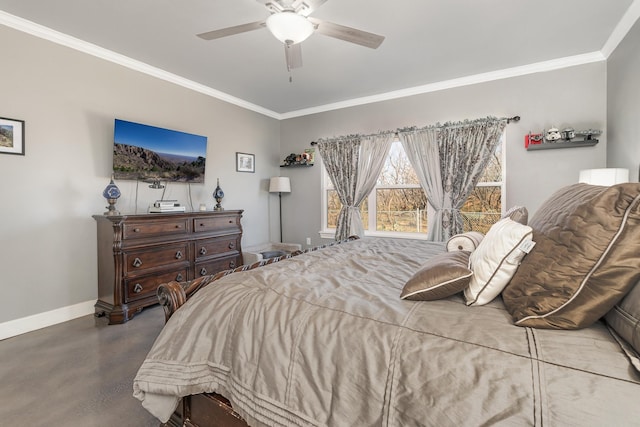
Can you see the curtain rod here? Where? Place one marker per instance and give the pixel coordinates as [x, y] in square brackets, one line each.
[509, 120]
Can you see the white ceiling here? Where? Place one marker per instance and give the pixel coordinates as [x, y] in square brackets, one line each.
[428, 42]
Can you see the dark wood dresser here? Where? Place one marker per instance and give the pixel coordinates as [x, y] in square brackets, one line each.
[136, 253]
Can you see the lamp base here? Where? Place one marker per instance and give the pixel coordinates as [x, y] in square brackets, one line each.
[111, 209]
[218, 206]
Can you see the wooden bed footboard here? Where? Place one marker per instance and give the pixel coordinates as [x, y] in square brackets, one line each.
[209, 409]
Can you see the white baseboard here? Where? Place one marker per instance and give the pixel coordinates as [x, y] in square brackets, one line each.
[42, 320]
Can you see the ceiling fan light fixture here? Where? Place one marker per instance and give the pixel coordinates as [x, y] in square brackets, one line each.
[289, 27]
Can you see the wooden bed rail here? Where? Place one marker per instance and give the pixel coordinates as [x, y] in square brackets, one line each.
[174, 294]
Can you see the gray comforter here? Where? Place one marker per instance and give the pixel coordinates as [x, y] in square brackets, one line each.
[323, 339]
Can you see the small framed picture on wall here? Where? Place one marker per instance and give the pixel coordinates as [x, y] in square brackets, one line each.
[245, 162]
[11, 136]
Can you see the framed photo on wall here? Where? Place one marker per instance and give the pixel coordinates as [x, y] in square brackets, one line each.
[11, 136]
[245, 162]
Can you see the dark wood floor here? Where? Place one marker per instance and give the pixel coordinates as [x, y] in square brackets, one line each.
[77, 374]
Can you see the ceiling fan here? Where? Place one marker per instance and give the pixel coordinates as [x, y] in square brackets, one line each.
[290, 23]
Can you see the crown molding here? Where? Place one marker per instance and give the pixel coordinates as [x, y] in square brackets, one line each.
[628, 20]
[108, 55]
[506, 73]
[46, 33]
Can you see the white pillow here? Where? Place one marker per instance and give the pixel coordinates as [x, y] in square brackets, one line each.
[468, 241]
[496, 260]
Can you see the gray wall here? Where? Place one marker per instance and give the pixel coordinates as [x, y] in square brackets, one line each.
[69, 101]
[623, 104]
[574, 96]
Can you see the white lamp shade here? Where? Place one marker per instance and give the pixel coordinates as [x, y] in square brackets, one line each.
[606, 176]
[289, 27]
[280, 184]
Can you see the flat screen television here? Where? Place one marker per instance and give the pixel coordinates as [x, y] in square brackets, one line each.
[152, 154]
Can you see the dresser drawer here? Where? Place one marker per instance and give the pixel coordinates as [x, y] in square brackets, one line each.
[135, 230]
[146, 286]
[217, 246]
[212, 267]
[216, 224]
[160, 256]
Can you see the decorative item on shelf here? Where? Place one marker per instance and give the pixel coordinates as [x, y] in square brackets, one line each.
[532, 139]
[552, 135]
[568, 134]
[303, 159]
[589, 134]
[112, 194]
[218, 194]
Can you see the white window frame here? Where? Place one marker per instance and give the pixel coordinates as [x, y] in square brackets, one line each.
[329, 233]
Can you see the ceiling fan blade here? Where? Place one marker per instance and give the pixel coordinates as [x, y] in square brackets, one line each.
[293, 55]
[347, 34]
[229, 31]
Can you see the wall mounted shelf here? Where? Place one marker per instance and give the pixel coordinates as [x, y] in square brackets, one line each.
[554, 145]
[297, 165]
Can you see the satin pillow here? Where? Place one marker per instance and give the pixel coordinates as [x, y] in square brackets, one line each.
[443, 275]
[496, 260]
[586, 258]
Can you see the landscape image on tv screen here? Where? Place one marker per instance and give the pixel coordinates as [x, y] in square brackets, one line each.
[149, 153]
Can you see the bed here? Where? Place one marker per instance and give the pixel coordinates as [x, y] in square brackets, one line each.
[323, 338]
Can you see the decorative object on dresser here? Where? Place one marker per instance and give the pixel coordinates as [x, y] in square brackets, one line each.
[136, 253]
[218, 194]
[112, 194]
[280, 184]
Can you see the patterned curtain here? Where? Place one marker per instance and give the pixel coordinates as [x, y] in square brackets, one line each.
[465, 150]
[354, 164]
[448, 160]
[340, 158]
[374, 151]
[421, 147]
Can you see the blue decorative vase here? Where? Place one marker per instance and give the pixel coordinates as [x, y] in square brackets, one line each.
[112, 194]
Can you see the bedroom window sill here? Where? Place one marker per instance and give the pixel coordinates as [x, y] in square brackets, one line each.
[330, 234]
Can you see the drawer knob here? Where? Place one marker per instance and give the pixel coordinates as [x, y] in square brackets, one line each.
[177, 225]
[232, 245]
[179, 255]
[137, 288]
[137, 262]
[203, 271]
[136, 230]
[179, 277]
[203, 251]
[232, 264]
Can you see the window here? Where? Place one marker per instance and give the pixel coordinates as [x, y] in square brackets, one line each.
[398, 205]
